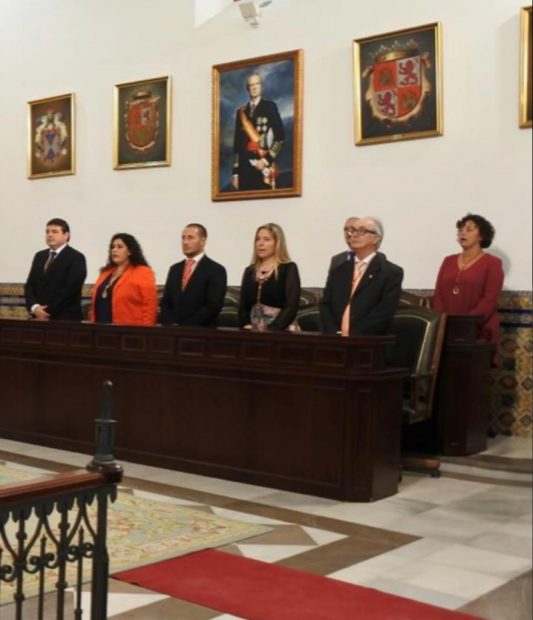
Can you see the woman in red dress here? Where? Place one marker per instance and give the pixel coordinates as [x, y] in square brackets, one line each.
[471, 282]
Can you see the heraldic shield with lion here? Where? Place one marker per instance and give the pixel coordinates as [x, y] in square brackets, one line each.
[398, 85]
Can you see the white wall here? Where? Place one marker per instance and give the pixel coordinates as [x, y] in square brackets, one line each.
[418, 188]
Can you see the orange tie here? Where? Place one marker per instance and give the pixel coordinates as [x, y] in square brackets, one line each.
[187, 272]
[358, 270]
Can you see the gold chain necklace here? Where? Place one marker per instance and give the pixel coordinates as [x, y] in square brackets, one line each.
[112, 281]
[462, 265]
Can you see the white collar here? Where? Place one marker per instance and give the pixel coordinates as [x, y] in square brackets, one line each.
[60, 249]
[366, 260]
[197, 258]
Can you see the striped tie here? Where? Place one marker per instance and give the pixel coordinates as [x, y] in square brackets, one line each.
[51, 258]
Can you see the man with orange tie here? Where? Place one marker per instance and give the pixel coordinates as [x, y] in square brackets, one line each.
[53, 288]
[361, 296]
[195, 287]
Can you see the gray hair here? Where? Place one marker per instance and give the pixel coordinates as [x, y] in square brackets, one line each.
[378, 227]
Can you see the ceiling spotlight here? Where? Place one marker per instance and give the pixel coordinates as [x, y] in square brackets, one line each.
[251, 10]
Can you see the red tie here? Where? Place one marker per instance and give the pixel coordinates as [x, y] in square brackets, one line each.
[187, 272]
[358, 270]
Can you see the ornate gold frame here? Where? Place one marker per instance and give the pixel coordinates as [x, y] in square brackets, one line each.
[158, 154]
[66, 164]
[219, 193]
[426, 118]
[526, 104]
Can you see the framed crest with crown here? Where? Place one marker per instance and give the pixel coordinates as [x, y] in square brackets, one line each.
[51, 144]
[141, 129]
[398, 85]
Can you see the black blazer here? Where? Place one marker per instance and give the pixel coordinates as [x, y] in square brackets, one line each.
[59, 289]
[201, 301]
[375, 300]
[281, 292]
[338, 259]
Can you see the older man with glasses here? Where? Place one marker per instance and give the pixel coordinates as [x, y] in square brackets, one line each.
[342, 257]
[361, 296]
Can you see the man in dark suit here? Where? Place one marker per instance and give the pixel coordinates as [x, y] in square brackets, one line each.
[342, 257]
[195, 287]
[53, 287]
[361, 297]
[258, 138]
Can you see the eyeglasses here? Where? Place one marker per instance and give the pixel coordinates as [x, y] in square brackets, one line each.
[359, 231]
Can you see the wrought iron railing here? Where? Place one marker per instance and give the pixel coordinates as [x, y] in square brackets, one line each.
[54, 530]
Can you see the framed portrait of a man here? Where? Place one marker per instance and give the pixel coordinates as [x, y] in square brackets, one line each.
[257, 127]
[141, 131]
[51, 144]
[398, 85]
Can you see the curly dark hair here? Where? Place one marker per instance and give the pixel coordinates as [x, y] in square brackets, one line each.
[486, 229]
[136, 253]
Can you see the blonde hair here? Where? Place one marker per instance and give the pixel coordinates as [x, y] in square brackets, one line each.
[281, 254]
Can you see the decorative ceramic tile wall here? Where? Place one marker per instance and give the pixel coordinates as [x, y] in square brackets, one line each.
[511, 383]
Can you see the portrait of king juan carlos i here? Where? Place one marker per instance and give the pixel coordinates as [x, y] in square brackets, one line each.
[257, 127]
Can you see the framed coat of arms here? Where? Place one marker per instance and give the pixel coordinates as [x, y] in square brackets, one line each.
[51, 141]
[398, 85]
[142, 119]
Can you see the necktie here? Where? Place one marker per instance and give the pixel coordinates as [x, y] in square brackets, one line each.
[49, 260]
[187, 272]
[358, 270]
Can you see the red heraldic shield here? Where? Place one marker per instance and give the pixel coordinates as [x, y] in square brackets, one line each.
[398, 85]
[142, 121]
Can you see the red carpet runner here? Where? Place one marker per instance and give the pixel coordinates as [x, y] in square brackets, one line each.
[260, 591]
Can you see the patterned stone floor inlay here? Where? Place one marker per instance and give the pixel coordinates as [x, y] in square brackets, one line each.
[461, 542]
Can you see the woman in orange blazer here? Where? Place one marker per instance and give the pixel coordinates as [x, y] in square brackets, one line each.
[125, 291]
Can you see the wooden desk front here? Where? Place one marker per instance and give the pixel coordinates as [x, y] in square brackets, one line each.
[302, 412]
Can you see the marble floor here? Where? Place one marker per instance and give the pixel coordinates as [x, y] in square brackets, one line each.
[461, 542]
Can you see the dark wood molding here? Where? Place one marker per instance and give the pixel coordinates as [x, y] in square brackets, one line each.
[303, 412]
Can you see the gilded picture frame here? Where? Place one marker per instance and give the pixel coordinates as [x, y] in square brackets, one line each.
[398, 85]
[142, 124]
[526, 62]
[51, 149]
[257, 127]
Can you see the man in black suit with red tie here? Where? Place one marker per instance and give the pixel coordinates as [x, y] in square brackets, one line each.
[361, 296]
[53, 287]
[195, 287]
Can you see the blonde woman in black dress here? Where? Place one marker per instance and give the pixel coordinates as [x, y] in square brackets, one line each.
[270, 288]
